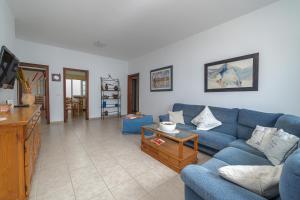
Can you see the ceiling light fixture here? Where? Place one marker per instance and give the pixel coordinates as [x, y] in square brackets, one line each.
[99, 44]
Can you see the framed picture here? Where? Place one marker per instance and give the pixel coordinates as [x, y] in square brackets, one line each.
[161, 79]
[235, 74]
[56, 77]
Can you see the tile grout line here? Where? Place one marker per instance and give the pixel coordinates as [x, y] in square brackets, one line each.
[147, 193]
[69, 172]
[103, 178]
[88, 155]
[84, 135]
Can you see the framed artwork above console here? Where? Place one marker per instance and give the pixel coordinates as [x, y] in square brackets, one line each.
[161, 79]
[235, 74]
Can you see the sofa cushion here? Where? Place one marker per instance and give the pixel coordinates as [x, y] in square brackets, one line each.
[241, 144]
[185, 127]
[214, 139]
[214, 164]
[189, 111]
[206, 120]
[164, 118]
[176, 117]
[261, 137]
[289, 123]
[244, 132]
[262, 179]
[248, 119]
[228, 117]
[209, 185]
[281, 144]
[234, 156]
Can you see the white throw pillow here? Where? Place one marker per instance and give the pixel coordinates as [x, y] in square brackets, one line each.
[261, 137]
[176, 117]
[279, 146]
[206, 120]
[263, 180]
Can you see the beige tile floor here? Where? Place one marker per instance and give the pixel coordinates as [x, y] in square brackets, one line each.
[92, 160]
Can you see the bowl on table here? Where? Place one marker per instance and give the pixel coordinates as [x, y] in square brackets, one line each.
[168, 127]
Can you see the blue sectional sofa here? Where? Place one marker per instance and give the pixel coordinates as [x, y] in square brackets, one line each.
[227, 144]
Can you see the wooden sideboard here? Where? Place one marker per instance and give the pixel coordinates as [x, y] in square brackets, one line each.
[19, 147]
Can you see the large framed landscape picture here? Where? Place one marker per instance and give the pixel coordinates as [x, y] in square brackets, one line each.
[161, 79]
[235, 74]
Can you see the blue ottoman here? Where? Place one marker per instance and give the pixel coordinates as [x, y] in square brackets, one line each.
[133, 126]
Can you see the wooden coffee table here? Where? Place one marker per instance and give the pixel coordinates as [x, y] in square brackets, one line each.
[173, 152]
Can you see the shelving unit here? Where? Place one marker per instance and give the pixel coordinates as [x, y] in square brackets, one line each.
[110, 97]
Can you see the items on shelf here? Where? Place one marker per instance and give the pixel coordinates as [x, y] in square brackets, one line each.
[110, 97]
[105, 97]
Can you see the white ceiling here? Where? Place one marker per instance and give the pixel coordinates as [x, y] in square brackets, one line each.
[127, 28]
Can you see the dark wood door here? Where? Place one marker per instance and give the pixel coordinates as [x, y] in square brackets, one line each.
[133, 94]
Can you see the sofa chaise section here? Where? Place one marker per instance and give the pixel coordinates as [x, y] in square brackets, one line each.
[228, 145]
[202, 182]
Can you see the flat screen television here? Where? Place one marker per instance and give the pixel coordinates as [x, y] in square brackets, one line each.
[9, 64]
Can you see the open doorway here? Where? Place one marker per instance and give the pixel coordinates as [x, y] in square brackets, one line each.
[76, 94]
[39, 77]
[133, 93]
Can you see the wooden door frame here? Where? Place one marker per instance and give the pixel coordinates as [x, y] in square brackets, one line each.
[129, 91]
[87, 93]
[43, 68]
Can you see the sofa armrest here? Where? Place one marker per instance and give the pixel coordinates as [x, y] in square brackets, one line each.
[290, 178]
[210, 186]
[164, 118]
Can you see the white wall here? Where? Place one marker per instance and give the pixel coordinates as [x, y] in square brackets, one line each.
[273, 31]
[7, 23]
[57, 58]
[7, 38]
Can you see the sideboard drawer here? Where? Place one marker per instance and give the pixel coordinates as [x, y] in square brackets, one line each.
[32, 123]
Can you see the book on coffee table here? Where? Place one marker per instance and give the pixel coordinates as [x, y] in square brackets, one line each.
[157, 141]
[172, 152]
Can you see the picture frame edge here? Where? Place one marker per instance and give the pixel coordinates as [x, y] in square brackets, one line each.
[158, 69]
[255, 86]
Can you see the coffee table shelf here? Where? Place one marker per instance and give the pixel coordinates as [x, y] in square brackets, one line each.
[172, 153]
